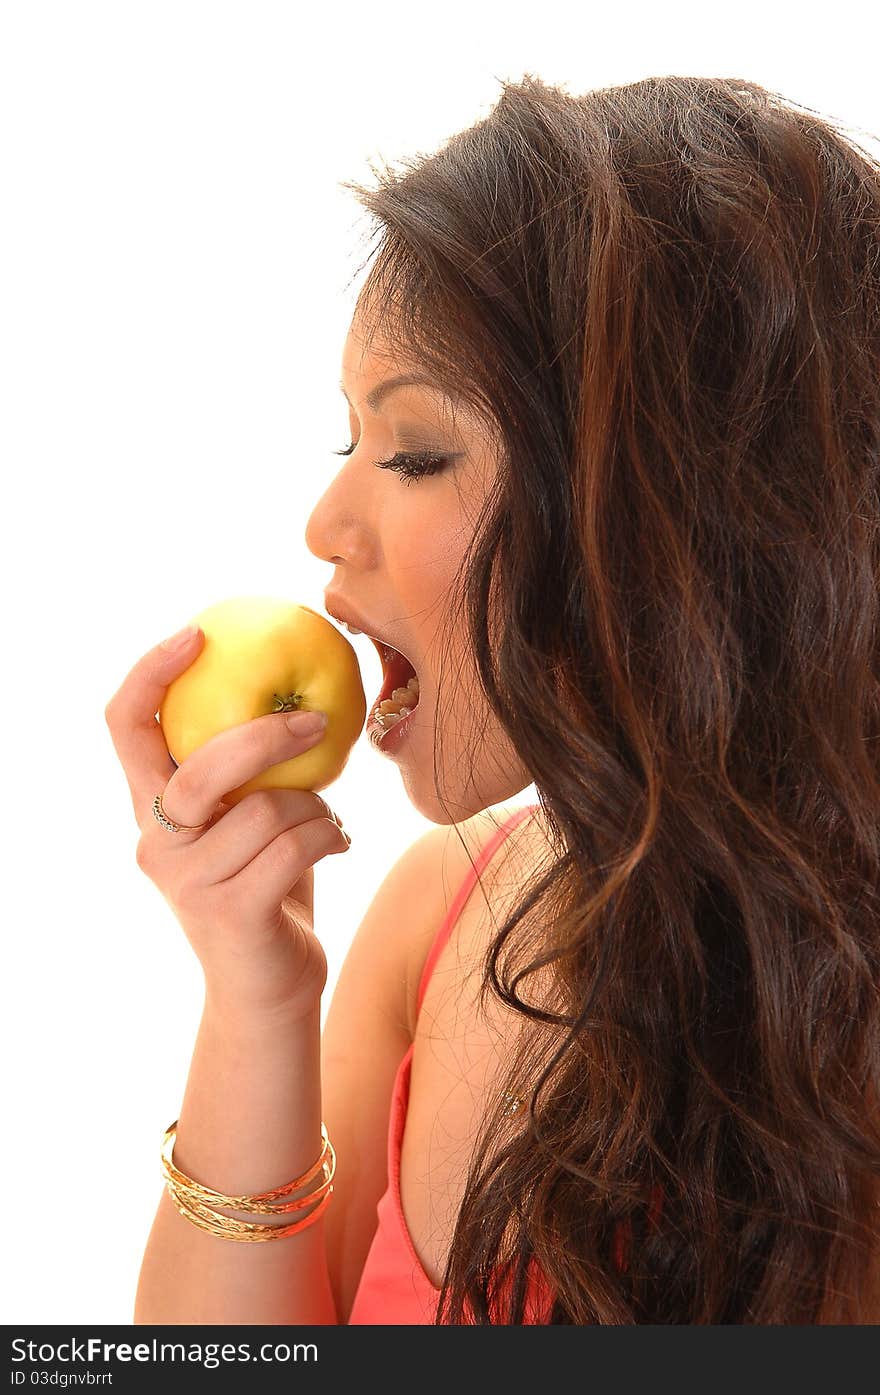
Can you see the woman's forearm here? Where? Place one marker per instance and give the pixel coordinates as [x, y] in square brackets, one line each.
[250, 1121]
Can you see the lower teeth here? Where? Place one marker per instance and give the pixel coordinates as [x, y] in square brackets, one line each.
[390, 710]
[386, 720]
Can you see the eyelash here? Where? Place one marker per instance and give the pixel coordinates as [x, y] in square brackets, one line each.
[410, 465]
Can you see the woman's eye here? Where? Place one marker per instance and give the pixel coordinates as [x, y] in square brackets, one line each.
[410, 465]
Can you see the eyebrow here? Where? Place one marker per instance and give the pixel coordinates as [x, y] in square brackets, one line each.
[374, 398]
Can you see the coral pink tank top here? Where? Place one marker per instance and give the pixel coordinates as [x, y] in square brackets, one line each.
[394, 1287]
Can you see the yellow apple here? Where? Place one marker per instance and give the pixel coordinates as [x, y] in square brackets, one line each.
[264, 654]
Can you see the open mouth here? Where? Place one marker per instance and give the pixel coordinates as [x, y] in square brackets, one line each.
[399, 693]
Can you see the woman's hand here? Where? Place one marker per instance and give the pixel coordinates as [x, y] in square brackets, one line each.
[242, 889]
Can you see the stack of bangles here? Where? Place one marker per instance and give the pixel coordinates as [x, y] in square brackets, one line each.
[197, 1203]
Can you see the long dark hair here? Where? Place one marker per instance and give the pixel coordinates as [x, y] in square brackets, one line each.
[665, 298]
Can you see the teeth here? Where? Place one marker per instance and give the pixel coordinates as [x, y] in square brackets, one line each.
[351, 629]
[390, 719]
[400, 704]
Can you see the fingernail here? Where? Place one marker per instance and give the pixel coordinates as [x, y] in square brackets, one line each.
[304, 723]
[181, 638]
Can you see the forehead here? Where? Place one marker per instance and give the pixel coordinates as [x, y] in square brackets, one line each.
[372, 349]
[374, 357]
[374, 364]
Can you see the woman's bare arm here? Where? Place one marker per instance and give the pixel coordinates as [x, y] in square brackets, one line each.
[250, 1120]
[239, 877]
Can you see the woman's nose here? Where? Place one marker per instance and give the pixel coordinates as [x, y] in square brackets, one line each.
[335, 533]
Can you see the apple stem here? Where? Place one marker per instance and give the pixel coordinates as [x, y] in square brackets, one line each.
[290, 703]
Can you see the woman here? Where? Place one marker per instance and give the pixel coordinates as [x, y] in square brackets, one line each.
[627, 536]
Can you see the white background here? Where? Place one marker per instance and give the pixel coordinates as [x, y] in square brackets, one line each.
[175, 260]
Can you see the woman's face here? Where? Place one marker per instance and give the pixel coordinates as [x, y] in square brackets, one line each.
[395, 545]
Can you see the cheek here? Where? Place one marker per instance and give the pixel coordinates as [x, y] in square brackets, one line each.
[425, 556]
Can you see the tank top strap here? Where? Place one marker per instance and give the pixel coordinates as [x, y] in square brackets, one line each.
[471, 877]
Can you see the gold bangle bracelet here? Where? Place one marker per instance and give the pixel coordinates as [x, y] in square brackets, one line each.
[260, 1203]
[194, 1201]
[260, 1208]
[226, 1228]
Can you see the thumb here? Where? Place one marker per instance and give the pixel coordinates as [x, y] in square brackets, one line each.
[177, 647]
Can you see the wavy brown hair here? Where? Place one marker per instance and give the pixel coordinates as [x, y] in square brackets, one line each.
[665, 298]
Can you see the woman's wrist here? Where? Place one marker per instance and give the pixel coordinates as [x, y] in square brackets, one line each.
[251, 1113]
[247, 1022]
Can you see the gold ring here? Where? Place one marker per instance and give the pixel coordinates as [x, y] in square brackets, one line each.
[162, 818]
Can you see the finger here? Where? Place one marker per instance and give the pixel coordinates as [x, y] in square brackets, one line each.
[268, 878]
[247, 829]
[131, 717]
[227, 761]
